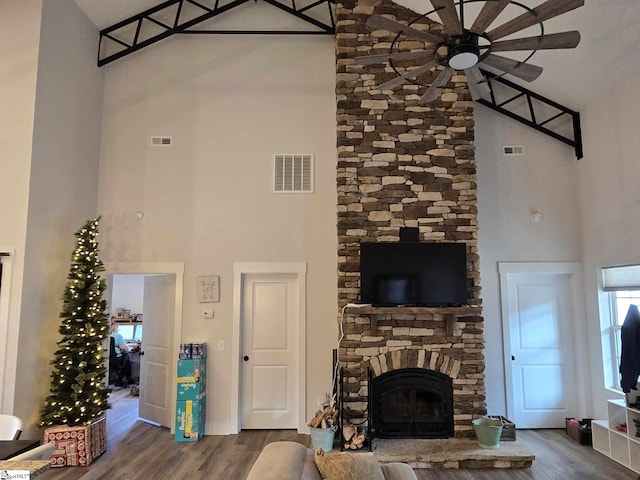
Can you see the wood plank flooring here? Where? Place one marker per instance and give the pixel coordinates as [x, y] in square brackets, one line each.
[139, 451]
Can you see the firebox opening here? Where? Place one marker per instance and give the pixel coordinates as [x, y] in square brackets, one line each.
[412, 403]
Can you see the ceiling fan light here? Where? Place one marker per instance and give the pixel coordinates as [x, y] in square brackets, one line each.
[463, 60]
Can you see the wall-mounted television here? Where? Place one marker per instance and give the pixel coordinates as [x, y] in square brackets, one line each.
[430, 274]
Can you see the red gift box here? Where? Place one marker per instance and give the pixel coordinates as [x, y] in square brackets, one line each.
[77, 446]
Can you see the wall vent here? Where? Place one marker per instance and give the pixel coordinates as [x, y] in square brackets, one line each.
[161, 141]
[513, 150]
[292, 173]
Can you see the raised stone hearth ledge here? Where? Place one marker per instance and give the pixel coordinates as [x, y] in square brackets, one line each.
[451, 453]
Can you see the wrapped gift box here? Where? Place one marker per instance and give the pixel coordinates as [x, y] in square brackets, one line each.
[77, 446]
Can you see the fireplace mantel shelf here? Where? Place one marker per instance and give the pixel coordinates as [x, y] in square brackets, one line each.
[450, 313]
[455, 311]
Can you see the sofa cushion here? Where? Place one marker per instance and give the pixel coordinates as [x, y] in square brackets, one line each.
[348, 466]
[284, 461]
[398, 471]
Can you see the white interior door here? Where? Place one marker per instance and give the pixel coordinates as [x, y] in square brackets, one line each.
[155, 379]
[269, 322]
[540, 366]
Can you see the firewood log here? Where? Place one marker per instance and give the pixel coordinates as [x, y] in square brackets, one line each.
[348, 432]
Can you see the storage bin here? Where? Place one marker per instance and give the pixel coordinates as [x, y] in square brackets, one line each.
[508, 429]
[581, 432]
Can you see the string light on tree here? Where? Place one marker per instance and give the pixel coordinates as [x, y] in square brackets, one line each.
[78, 393]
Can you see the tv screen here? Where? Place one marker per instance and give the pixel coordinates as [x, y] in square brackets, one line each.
[420, 274]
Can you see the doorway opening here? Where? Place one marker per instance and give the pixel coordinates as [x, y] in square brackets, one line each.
[145, 300]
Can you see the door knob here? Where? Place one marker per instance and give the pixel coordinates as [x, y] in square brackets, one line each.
[246, 358]
[513, 357]
[142, 352]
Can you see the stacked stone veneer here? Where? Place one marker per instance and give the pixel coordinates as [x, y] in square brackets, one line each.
[401, 164]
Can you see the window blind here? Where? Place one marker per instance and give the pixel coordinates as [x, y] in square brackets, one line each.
[626, 277]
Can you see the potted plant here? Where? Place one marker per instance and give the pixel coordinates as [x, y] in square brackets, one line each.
[324, 424]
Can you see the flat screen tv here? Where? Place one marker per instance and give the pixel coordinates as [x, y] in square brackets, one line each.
[418, 274]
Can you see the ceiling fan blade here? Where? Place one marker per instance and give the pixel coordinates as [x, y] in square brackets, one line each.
[400, 79]
[488, 14]
[374, 59]
[545, 11]
[384, 23]
[524, 71]
[545, 42]
[446, 10]
[433, 92]
[478, 85]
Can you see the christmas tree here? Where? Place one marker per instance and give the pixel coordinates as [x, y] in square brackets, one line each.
[78, 390]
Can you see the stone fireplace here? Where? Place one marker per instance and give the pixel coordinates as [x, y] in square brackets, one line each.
[401, 164]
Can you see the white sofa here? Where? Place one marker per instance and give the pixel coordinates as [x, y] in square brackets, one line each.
[294, 461]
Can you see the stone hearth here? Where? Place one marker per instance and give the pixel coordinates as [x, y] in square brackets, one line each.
[451, 453]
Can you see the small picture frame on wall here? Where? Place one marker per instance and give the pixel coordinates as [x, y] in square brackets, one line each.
[208, 287]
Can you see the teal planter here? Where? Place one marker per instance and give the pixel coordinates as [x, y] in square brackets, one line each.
[322, 438]
[488, 432]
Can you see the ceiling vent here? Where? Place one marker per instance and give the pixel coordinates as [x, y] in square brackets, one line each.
[161, 141]
[292, 173]
[513, 150]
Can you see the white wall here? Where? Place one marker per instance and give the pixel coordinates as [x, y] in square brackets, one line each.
[127, 291]
[19, 37]
[545, 179]
[62, 190]
[610, 200]
[230, 103]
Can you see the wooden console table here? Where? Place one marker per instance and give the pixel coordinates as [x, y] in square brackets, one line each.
[11, 448]
[34, 467]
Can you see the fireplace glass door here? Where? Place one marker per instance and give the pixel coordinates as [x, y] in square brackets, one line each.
[412, 403]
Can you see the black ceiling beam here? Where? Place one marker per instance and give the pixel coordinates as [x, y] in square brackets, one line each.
[137, 21]
[298, 13]
[533, 98]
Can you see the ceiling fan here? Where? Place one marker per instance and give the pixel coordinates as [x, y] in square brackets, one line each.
[461, 48]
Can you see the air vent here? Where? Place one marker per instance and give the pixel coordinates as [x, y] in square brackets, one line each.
[161, 141]
[513, 150]
[293, 173]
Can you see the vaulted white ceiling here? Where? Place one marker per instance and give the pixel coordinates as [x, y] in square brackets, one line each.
[609, 49]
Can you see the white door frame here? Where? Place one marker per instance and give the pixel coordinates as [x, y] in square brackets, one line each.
[578, 324]
[240, 269]
[8, 366]
[176, 269]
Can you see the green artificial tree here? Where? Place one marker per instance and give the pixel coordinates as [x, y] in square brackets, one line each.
[78, 392]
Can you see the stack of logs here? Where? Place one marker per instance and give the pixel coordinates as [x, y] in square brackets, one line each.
[353, 437]
[325, 418]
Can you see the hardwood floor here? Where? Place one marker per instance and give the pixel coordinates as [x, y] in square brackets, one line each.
[139, 451]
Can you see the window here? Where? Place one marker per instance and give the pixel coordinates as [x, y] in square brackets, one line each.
[623, 285]
[620, 301]
[130, 333]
